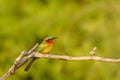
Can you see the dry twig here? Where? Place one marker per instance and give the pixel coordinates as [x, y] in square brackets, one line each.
[25, 56]
[20, 60]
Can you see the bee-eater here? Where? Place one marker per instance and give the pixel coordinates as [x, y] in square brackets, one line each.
[44, 48]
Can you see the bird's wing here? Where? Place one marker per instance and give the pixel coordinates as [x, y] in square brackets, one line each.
[42, 47]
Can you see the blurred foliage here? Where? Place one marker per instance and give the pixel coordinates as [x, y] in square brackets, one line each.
[80, 26]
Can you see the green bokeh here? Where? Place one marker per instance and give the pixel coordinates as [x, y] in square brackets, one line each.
[80, 26]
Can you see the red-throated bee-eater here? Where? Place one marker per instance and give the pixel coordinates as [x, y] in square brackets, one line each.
[44, 48]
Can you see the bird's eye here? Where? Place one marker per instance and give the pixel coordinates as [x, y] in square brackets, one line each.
[48, 40]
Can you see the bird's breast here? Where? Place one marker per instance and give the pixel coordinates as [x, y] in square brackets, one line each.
[45, 51]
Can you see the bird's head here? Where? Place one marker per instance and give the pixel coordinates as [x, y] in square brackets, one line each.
[49, 40]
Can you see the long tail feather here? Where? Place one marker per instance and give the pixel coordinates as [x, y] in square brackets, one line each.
[29, 65]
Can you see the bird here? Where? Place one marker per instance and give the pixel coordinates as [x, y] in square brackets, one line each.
[43, 48]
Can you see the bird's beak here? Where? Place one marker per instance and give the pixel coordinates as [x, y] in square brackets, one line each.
[54, 38]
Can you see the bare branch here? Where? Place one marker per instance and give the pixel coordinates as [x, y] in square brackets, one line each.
[20, 60]
[64, 57]
[92, 52]
[13, 67]
[25, 56]
[33, 49]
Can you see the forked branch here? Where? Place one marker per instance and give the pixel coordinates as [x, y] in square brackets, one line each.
[25, 56]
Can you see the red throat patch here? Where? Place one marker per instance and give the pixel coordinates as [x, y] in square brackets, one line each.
[50, 41]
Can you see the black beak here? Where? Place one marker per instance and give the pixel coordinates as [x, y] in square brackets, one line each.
[54, 38]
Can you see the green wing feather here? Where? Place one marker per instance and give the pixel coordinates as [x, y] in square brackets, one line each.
[42, 47]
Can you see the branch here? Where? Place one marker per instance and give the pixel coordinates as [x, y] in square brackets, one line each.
[25, 56]
[84, 58]
[20, 60]
[70, 58]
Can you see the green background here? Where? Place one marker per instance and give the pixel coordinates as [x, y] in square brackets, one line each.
[80, 26]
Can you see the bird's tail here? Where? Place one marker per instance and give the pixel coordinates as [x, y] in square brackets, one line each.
[29, 65]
